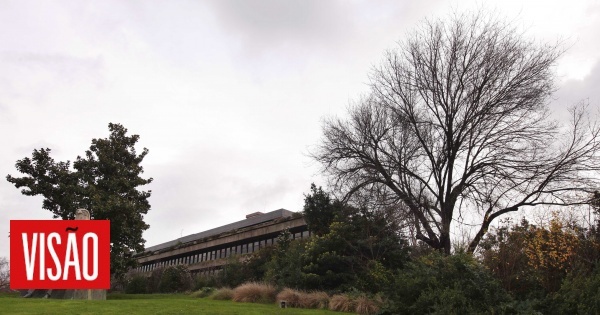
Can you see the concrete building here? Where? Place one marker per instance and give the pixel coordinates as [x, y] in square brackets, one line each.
[206, 252]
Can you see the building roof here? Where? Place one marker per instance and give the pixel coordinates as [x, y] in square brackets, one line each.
[253, 220]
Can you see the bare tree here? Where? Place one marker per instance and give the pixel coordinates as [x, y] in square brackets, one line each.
[4, 273]
[457, 126]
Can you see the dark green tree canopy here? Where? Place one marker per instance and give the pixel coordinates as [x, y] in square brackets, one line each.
[104, 181]
[350, 247]
[320, 210]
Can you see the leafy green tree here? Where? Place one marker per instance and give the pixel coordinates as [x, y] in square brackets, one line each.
[320, 210]
[105, 181]
[359, 251]
[351, 247]
[285, 267]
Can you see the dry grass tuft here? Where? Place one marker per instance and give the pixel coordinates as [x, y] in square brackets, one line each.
[222, 294]
[290, 296]
[295, 298]
[341, 303]
[254, 292]
[366, 306]
[314, 300]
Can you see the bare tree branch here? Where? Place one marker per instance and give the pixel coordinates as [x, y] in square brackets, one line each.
[4, 273]
[458, 118]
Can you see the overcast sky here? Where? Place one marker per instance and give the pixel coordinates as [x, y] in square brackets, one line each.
[228, 96]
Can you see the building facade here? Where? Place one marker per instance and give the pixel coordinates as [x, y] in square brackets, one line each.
[207, 252]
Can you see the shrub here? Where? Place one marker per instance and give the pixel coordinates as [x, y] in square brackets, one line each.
[439, 284]
[201, 281]
[137, 284]
[359, 251]
[118, 284]
[222, 294]
[175, 279]
[204, 292]
[233, 273]
[532, 261]
[341, 303]
[251, 267]
[579, 294]
[154, 280]
[255, 292]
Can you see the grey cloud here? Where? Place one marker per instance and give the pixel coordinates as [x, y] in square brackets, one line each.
[574, 91]
[275, 38]
[276, 22]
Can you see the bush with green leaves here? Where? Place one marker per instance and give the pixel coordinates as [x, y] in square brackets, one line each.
[359, 251]
[175, 279]
[285, 266]
[137, 284]
[222, 294]
[154, 280]
[204, 292]
[579, 294]
[350, 248]
[251, 267]
[204, 281]
[233, 273]
[438, 284]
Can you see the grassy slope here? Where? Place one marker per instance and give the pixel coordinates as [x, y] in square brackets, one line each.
[142, 304]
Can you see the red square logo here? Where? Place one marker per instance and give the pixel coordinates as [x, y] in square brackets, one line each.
[59, 254]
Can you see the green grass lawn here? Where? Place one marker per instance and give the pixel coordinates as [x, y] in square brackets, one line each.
[142, 304]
